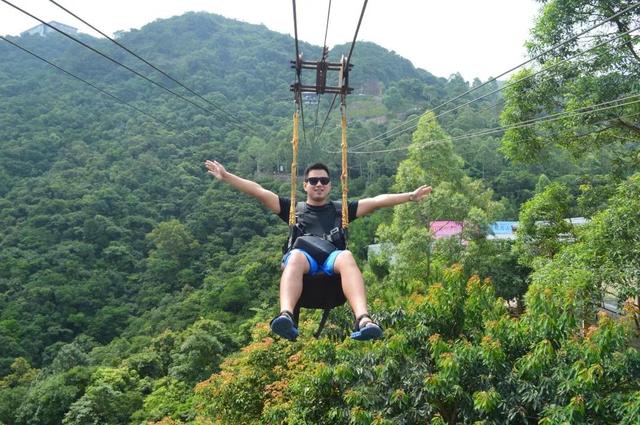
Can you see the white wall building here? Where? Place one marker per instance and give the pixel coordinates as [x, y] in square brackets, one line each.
[43, 30]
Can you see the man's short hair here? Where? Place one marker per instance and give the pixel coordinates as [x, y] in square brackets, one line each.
[316, 166]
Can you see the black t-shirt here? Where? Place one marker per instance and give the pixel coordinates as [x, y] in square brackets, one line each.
[320, 220]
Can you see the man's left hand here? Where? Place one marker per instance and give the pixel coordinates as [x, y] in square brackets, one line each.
[420, 193]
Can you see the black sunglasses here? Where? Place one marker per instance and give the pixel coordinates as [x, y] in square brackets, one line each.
[314, 180]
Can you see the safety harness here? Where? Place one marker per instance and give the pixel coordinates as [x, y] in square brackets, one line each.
[337, 235]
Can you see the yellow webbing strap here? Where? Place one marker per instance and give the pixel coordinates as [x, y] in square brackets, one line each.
[294, 170]
[344, 177]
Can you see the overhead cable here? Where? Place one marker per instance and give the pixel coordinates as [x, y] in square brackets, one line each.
[325, 51]
[552, 48]
[353, 43]
[547, 118]
[111, 59]
[511, 84]
[333, 102]
[297, 92]
[355, 36]
[295, 28]
[106, 93]
[326, 31]
[218, 108]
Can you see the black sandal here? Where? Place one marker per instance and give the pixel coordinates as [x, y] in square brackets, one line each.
[284, 325]
[370, 330]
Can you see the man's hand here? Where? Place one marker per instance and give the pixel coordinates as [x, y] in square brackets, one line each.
[268, 198]
[420, 193]
[215, 169]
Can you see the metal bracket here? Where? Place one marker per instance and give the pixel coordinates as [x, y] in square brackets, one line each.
[322, 68]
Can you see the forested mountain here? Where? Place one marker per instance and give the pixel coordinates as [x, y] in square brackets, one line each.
[97, 196]
[135, 288]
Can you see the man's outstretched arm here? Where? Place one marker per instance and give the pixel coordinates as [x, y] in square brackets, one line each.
[369, 205]
[267, 197]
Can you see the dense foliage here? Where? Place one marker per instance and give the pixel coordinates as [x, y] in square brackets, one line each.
[452, 354]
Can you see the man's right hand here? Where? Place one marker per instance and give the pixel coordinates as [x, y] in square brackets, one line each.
[268, 198]
[215, 169]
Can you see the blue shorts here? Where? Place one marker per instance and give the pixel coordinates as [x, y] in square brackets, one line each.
[326, 267]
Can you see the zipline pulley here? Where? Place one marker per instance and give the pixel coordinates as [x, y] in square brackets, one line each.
[322, 68]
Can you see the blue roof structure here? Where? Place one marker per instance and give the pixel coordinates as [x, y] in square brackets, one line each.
[502, 230]
[503, 227]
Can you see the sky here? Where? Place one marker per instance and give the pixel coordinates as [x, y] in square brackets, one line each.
[477, 38]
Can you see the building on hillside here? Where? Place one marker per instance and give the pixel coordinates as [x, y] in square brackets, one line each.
[43, 30]
[440, 230]
[445, 229]
[577, 221]
[502, 230]
[506, 230]
[498, 230]
[310, 98]
[386, 248]
[370, 88]
[574, 221]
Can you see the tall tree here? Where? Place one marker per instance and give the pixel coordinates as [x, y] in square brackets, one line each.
[432, 160]
[600, 66]
[543, 228]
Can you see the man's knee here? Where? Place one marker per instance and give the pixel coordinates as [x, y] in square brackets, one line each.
[297, 260]
[345, 260]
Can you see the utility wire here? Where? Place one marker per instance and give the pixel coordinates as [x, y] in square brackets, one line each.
[396, 133]
[598, 130]
[326, 117]
[526, 123]
[106, 93]
[325, 51]
[333, 102]
[521, 124]
[398, 130]
[295, 29]
[111, 59]
[326, 30]
[355, 36]
[560, 44]
[353, 43]
[297, 92]
[497, 130]
[315, 122]
[228, 115]
[609, 127]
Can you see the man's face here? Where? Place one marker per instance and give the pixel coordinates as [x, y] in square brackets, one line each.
[317, 192]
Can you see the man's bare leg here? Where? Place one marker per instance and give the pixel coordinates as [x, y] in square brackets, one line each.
[352, 283]
[291, 280]
[354, 291]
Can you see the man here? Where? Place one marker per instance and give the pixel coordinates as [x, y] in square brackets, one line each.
[298, 262]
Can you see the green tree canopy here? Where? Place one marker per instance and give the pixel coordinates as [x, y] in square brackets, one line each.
[604, 69]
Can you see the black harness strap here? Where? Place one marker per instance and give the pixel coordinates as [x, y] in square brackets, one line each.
[323, 321]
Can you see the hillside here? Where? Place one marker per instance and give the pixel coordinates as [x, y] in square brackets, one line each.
[89, 179]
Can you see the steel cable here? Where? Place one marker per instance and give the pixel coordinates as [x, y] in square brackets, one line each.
[552, 48]
[398, 131]
[521, 124]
